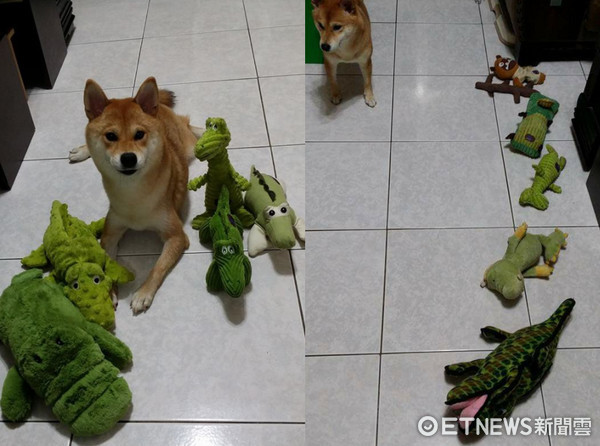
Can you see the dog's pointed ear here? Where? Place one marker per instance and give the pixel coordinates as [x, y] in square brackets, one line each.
[94, 100]
[348, 6]
[147, 96]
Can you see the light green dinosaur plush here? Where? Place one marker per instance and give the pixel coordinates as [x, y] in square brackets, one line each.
[275, 218]
[230, 269]
[510, 372]
[79, 263]
[520, 260]
[71, 363]
[212, 147]
[546, 173]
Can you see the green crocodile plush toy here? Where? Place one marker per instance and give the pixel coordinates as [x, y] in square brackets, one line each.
[71, 363]
[275, 219]
[230, 269]
[212, 147]
[510, 372]
[520, 260]
[531, 133]
[546, 173]
[80, 264]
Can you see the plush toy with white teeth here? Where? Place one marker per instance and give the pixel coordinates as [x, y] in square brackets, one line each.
[80, 264]
[275, 220]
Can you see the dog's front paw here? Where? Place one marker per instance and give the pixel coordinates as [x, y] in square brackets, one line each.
[336, 99]
[370, 101]
[78, 154]
[141, 301]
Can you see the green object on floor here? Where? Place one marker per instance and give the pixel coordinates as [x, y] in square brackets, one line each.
[531, 132]
[546, 173]
[510, 372]
[80, 264]
[71, 363]
[230, 270]
[212, 147]
[312, 47]
[520, 260]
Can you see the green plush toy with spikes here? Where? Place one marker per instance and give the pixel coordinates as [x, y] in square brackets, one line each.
[546, 173]
[71, 363]
[520, 260]
[509, 373]
[79, 263]
[230, 270]
[212, 147]
[531, 132]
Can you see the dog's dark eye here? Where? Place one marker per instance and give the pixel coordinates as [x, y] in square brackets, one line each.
[321, 25]
[337, 27]
[138, 135]
[111, 136]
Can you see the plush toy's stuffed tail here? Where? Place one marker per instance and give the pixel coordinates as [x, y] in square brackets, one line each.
[529, 197]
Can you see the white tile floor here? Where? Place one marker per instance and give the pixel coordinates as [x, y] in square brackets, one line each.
[410, 202]
[208, 370]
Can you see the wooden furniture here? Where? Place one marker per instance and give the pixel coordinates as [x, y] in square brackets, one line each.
[16, 124]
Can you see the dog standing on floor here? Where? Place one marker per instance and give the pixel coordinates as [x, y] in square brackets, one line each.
[142, 150]
[345, 31]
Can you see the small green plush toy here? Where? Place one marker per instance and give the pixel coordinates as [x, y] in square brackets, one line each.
[531, 132]
[71, 363]
[275, 219]
[546, 173]
[212, 147]
[230, 269]
[80, 264]
[520, 260]
[510, 372]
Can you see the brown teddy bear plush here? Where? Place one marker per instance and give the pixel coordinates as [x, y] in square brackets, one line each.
[507, 69]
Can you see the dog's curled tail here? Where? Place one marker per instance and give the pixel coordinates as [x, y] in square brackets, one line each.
[166, 97]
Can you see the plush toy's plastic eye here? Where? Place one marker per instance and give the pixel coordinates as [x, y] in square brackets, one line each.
[75, 285]
[96, 280]
[283, 210]
[271, 212]
[231, 250]
[224, 250]
[37, 359]
[59, 341]
[501, 64]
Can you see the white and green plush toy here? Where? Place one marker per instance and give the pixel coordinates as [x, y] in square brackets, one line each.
[275, 221]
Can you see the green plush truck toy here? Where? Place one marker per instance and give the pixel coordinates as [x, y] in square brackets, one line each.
[510, 372]
[275, 221]
[531, 132]
[79, 263]
[212, 147]
[546, 173]
[71, 363]
[520, 260]
[230, 270]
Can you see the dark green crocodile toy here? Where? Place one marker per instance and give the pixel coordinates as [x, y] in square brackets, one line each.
[230, 269]
[68, 361]
[510, 372]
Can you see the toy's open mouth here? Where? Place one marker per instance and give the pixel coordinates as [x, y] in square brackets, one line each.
[469, 408]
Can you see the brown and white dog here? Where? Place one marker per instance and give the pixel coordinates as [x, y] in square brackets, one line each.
[345, 31]
[142, 150]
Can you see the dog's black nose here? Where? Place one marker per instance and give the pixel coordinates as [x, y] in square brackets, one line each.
[325, 46]
[128, 160]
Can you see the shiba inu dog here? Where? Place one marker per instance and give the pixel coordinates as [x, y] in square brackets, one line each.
[142, 150]
[345, 31]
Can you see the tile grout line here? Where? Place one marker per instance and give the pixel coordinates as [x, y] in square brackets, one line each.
[298, 294]
[387, 233]
[137, 66]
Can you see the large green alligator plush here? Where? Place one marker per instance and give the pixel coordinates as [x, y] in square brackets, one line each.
[546, 173]
[510, 372]
[68, 361]
[80, 264]
[230, 269]
[520, 260]
[212, 147]
[275, 219]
